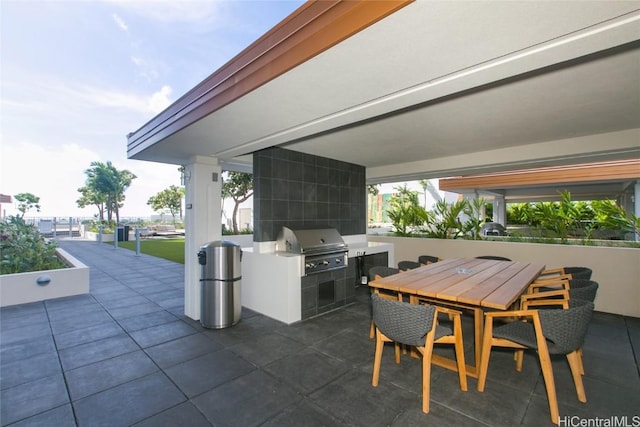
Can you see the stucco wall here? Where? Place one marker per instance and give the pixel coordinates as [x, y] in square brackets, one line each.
[617, 270]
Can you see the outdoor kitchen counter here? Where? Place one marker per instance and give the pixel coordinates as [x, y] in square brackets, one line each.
[271, 281]
[370, 248]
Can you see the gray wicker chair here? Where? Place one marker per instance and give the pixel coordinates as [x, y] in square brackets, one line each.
[408, 265]
[494, 257]
[552, 331]
[567, 272]
[583, 289]
[427, 259]
[576, 289]
[382, 271]
[578, 272]
[416, 325]
[378, 272]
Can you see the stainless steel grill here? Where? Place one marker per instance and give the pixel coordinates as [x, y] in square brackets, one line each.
[323, 249]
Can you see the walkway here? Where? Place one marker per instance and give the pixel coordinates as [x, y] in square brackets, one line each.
[125, 355]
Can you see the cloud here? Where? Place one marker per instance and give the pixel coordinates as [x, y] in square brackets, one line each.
[141, 103]
[55, 174]
[119, 22]
[146, 70]
[55, 101]
[171, 11]
[160, 100]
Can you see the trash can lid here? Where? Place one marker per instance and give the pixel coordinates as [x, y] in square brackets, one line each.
[219, 244]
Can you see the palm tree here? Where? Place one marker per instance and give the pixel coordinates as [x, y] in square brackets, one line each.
[105, 179]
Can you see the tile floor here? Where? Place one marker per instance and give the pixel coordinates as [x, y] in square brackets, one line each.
[126, 355]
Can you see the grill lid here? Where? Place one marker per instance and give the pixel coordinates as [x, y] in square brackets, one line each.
[309, 242]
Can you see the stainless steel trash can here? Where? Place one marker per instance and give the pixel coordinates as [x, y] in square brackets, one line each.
[220, 280]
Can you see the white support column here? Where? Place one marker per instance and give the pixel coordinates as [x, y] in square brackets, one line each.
[636, 198]
[499, 210]
[468, 197]
[203, 207]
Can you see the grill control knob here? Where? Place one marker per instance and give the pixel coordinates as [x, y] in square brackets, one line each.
[338, 260]
[310, 265]
[325, 262]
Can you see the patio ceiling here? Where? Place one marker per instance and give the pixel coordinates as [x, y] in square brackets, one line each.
[432, 89]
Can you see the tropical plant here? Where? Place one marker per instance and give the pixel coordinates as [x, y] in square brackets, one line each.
[97, 226]
[520, 213]
[560, 218]
[26, 202]
[614, 217]
[474, 211]
[23, 249]
[168, 199]
[238, 186]
[405, 213]
[447, 223]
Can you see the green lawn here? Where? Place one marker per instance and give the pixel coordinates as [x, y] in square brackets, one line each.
[171, 249]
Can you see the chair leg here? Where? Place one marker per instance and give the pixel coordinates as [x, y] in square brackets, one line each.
[377, 359]
[580, 360]
[547, 371]
[397, 353]
[426, 377]
[372, 330]
[486, 353]
[575, 364]
[519, 356]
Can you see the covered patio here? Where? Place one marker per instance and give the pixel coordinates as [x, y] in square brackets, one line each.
[357, 92]
[125, 354]
[399, 90]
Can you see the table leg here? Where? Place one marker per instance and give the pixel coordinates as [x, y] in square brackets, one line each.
[478, 326]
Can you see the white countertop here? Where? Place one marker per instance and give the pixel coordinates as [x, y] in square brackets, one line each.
[368, 248]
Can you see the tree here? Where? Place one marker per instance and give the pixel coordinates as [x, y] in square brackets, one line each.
[169, 199]
[89, 197]
[105, 180]
[238, 186]
[26, 202]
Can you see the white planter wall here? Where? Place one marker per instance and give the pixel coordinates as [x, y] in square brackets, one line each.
[22, 288]
[90, 235]
[617, 270]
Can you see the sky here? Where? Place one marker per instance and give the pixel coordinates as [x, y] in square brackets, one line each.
[77, 76]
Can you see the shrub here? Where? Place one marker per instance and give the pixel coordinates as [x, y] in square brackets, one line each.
[23, 249]
[108, 227]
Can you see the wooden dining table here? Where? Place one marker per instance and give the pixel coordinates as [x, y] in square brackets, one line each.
[465, 283]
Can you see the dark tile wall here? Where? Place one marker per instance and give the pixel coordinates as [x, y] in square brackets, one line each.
[304, 191]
